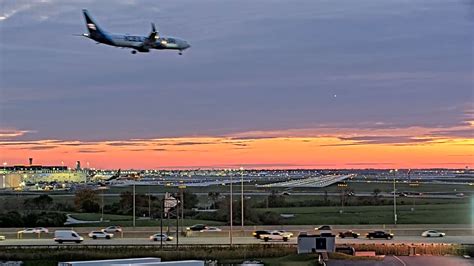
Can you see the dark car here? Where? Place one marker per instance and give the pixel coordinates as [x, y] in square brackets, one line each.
[349, 233]
[257, 233]
[324, 230]
[379, 234]
[197, 227]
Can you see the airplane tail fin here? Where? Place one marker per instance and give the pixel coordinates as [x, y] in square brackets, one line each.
[91, 25]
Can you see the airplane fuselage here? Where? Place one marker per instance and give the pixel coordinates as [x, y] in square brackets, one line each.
[135, 42]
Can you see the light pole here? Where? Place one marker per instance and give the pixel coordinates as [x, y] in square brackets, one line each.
[230, 231]
[242, 195]
[394, 199]
[133, 204]
[102, 188]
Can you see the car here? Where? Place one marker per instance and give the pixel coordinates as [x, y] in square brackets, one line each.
[379, 234]
[257, 233]
[324, 230]
[100, 234]
[2, 238]
[285, 233]
[61, 236]
[431, 233]
[197, 227]
[41, 230]
[211, 229]
[112, 229]
[28, 231]
[349, 233]
[161, 237]
[274, 235]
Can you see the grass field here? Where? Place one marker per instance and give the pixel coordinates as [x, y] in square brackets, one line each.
[124, 220]
[423, 214]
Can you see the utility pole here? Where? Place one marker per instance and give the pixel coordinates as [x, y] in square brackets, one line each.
[242, 195]
[230, 231]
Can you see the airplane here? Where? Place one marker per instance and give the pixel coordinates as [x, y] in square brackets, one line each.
[141, 44]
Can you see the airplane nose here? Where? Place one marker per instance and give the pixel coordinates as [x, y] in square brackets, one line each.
[186, 45]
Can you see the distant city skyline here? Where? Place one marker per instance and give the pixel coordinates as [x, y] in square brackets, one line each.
[266, 84]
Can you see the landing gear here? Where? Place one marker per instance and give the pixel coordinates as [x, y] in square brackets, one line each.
[134, 52]
[180, 52]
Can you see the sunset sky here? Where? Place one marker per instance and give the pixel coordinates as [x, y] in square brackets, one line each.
[266, 84]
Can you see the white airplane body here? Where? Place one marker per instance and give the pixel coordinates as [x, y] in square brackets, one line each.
[137, 43]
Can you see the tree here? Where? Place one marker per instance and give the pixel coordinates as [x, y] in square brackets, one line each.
[214, 197]
[42, 202]
[86, 200]
[275, 200]
[376, 194]
[190, 200]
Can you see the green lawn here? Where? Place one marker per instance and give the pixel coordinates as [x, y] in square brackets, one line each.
[423, 214]
[125, 220]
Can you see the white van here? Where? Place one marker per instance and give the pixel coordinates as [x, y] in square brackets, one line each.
[61, 236]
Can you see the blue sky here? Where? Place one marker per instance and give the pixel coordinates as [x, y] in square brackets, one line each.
[253, 66]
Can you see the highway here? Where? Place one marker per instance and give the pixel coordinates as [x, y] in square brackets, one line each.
[222, 240]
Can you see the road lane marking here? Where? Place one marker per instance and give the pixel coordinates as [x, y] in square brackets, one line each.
[400, 260]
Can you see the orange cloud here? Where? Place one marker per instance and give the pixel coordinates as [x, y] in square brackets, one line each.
[308, 148]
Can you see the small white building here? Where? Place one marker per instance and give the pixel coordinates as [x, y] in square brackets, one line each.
[316, 243]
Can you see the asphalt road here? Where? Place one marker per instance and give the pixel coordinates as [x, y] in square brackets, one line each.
[241, 240]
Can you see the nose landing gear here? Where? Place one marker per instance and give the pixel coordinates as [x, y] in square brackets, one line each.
[180, 52]
[134, 52]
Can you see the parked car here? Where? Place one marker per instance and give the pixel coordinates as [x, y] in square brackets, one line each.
[42, 230]
[197, 227]
[274, 235]
[379, 234]
[258, 233]
[324, 230]
[112, 229]
[100, 234]
[211, 229]
[161, 237]
[431, 233]
[61, 236]
[2, 238]
[28, 231]
[349, 233]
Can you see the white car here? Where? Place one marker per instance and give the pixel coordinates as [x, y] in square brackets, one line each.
[274, 235]
[2, 238]
[112, 229]
[285, 233]
[211, 229]
[28, 231]
[42, 230]
[100, 234]
[431, 233]
[159, 237]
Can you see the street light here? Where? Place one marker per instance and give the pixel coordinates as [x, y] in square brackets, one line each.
[134, 203]
[230, 231]
[242, 195]
[394, 198]
[102, 188]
